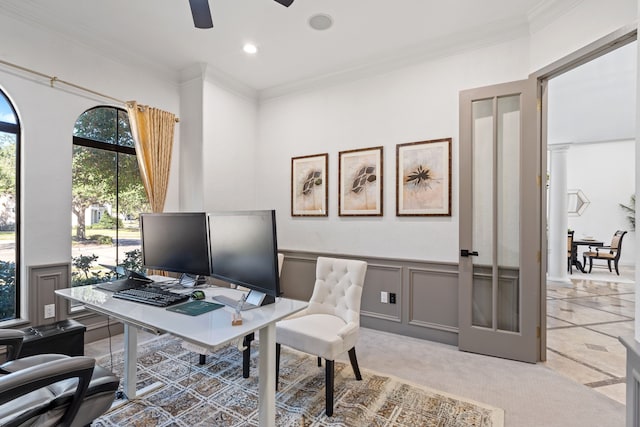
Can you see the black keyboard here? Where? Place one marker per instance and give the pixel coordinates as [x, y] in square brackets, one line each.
[152, 296]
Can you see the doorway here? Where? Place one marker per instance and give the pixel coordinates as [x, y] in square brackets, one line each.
[590, 115]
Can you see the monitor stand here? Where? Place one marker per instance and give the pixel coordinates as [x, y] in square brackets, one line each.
[190, 280]
[254, 299]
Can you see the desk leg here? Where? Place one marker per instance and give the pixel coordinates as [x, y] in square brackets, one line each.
[266, 378]
[130, 357]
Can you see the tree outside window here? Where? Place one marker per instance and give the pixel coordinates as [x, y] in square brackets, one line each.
[108, 195]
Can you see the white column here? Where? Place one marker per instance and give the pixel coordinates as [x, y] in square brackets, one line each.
[558, 213]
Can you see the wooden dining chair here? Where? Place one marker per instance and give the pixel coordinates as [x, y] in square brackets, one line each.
[570, 254]
[609, 253]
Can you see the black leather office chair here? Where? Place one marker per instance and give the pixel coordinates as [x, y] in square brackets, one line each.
[51, 389]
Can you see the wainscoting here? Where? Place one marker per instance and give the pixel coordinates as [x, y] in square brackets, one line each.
[426, 293]
[44, 280]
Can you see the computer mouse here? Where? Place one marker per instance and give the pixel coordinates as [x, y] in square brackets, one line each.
[197, 295]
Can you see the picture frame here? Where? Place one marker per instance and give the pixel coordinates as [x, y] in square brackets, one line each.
[360, 178]
[309, 188]
[423, 178]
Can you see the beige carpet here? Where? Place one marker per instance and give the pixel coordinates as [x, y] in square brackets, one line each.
[215, 394]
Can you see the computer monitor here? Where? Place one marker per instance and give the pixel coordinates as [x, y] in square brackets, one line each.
[244, 252]
[176, 242]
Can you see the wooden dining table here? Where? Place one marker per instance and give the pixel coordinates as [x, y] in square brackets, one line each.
[574, 250]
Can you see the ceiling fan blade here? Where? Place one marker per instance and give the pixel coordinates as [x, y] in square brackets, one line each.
[285, 3]
[201, 13]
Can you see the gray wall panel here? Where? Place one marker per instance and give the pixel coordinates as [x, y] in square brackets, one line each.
[43, 281]
[382, 277]
[433, 298]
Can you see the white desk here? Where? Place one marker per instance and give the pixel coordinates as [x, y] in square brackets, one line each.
[209, 330]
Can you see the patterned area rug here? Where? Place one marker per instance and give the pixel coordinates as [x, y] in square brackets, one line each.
[215, 394]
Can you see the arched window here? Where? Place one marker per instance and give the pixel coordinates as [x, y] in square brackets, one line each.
[9, 210]
[108, 195]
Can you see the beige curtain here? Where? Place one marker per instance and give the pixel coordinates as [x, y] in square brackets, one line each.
[152, 131]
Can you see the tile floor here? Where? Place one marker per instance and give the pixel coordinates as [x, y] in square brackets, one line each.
[584, 320]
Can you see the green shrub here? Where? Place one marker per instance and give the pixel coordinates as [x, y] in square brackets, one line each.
[83, 272]
[108, 222]
[133, 260]
[101, 239]
[7, 290]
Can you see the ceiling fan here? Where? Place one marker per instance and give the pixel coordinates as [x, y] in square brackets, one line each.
[202, 13]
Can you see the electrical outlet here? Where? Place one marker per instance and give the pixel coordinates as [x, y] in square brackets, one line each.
[392, 298]
[384, 297]
[49, 311]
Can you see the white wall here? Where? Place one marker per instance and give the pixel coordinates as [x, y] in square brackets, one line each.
[605, 172]
[410, 104]
[191, 137]
[247, 148]
[416, 103]
[229, 142]
[47, 117]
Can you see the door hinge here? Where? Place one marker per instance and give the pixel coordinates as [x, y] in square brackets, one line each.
[539, 104]
[537, 331]
[539, 257]
[539, 180]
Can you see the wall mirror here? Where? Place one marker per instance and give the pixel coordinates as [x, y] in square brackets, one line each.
[577, 202]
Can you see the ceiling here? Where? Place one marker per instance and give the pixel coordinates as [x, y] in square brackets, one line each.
[160, 35]
[595, 102]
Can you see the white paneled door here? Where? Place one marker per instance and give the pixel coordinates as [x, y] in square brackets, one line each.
[500, 224]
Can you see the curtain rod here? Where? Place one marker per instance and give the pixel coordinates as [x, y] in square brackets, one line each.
[54, 79]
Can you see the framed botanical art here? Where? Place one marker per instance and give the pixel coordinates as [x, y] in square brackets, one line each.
[309, 195]
[360, 182]
[423, 178]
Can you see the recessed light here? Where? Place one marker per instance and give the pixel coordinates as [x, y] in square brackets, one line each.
[320, 21]
[250, 48]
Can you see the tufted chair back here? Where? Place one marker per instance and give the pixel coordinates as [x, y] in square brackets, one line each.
[338, 288]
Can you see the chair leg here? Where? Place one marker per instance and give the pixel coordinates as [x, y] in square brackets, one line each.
[615, 263]
[203, 359]
[329, 375]
[277, 364]
[246, 354]
[354, 363]
[319, 361]
[609, 265]
[590, 264]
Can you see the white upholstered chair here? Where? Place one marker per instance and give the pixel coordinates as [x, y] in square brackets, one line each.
[280, 263]
[329, 326]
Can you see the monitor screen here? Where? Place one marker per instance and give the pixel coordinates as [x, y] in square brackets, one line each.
[244, 250]
[177, 242]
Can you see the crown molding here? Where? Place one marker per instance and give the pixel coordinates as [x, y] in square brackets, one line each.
[486, 35]
[548, 11]
[81, 36]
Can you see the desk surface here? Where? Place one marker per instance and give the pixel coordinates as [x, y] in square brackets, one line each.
[209, 330]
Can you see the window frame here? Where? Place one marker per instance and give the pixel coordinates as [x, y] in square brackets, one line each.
[113, 147]
[16, 129]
